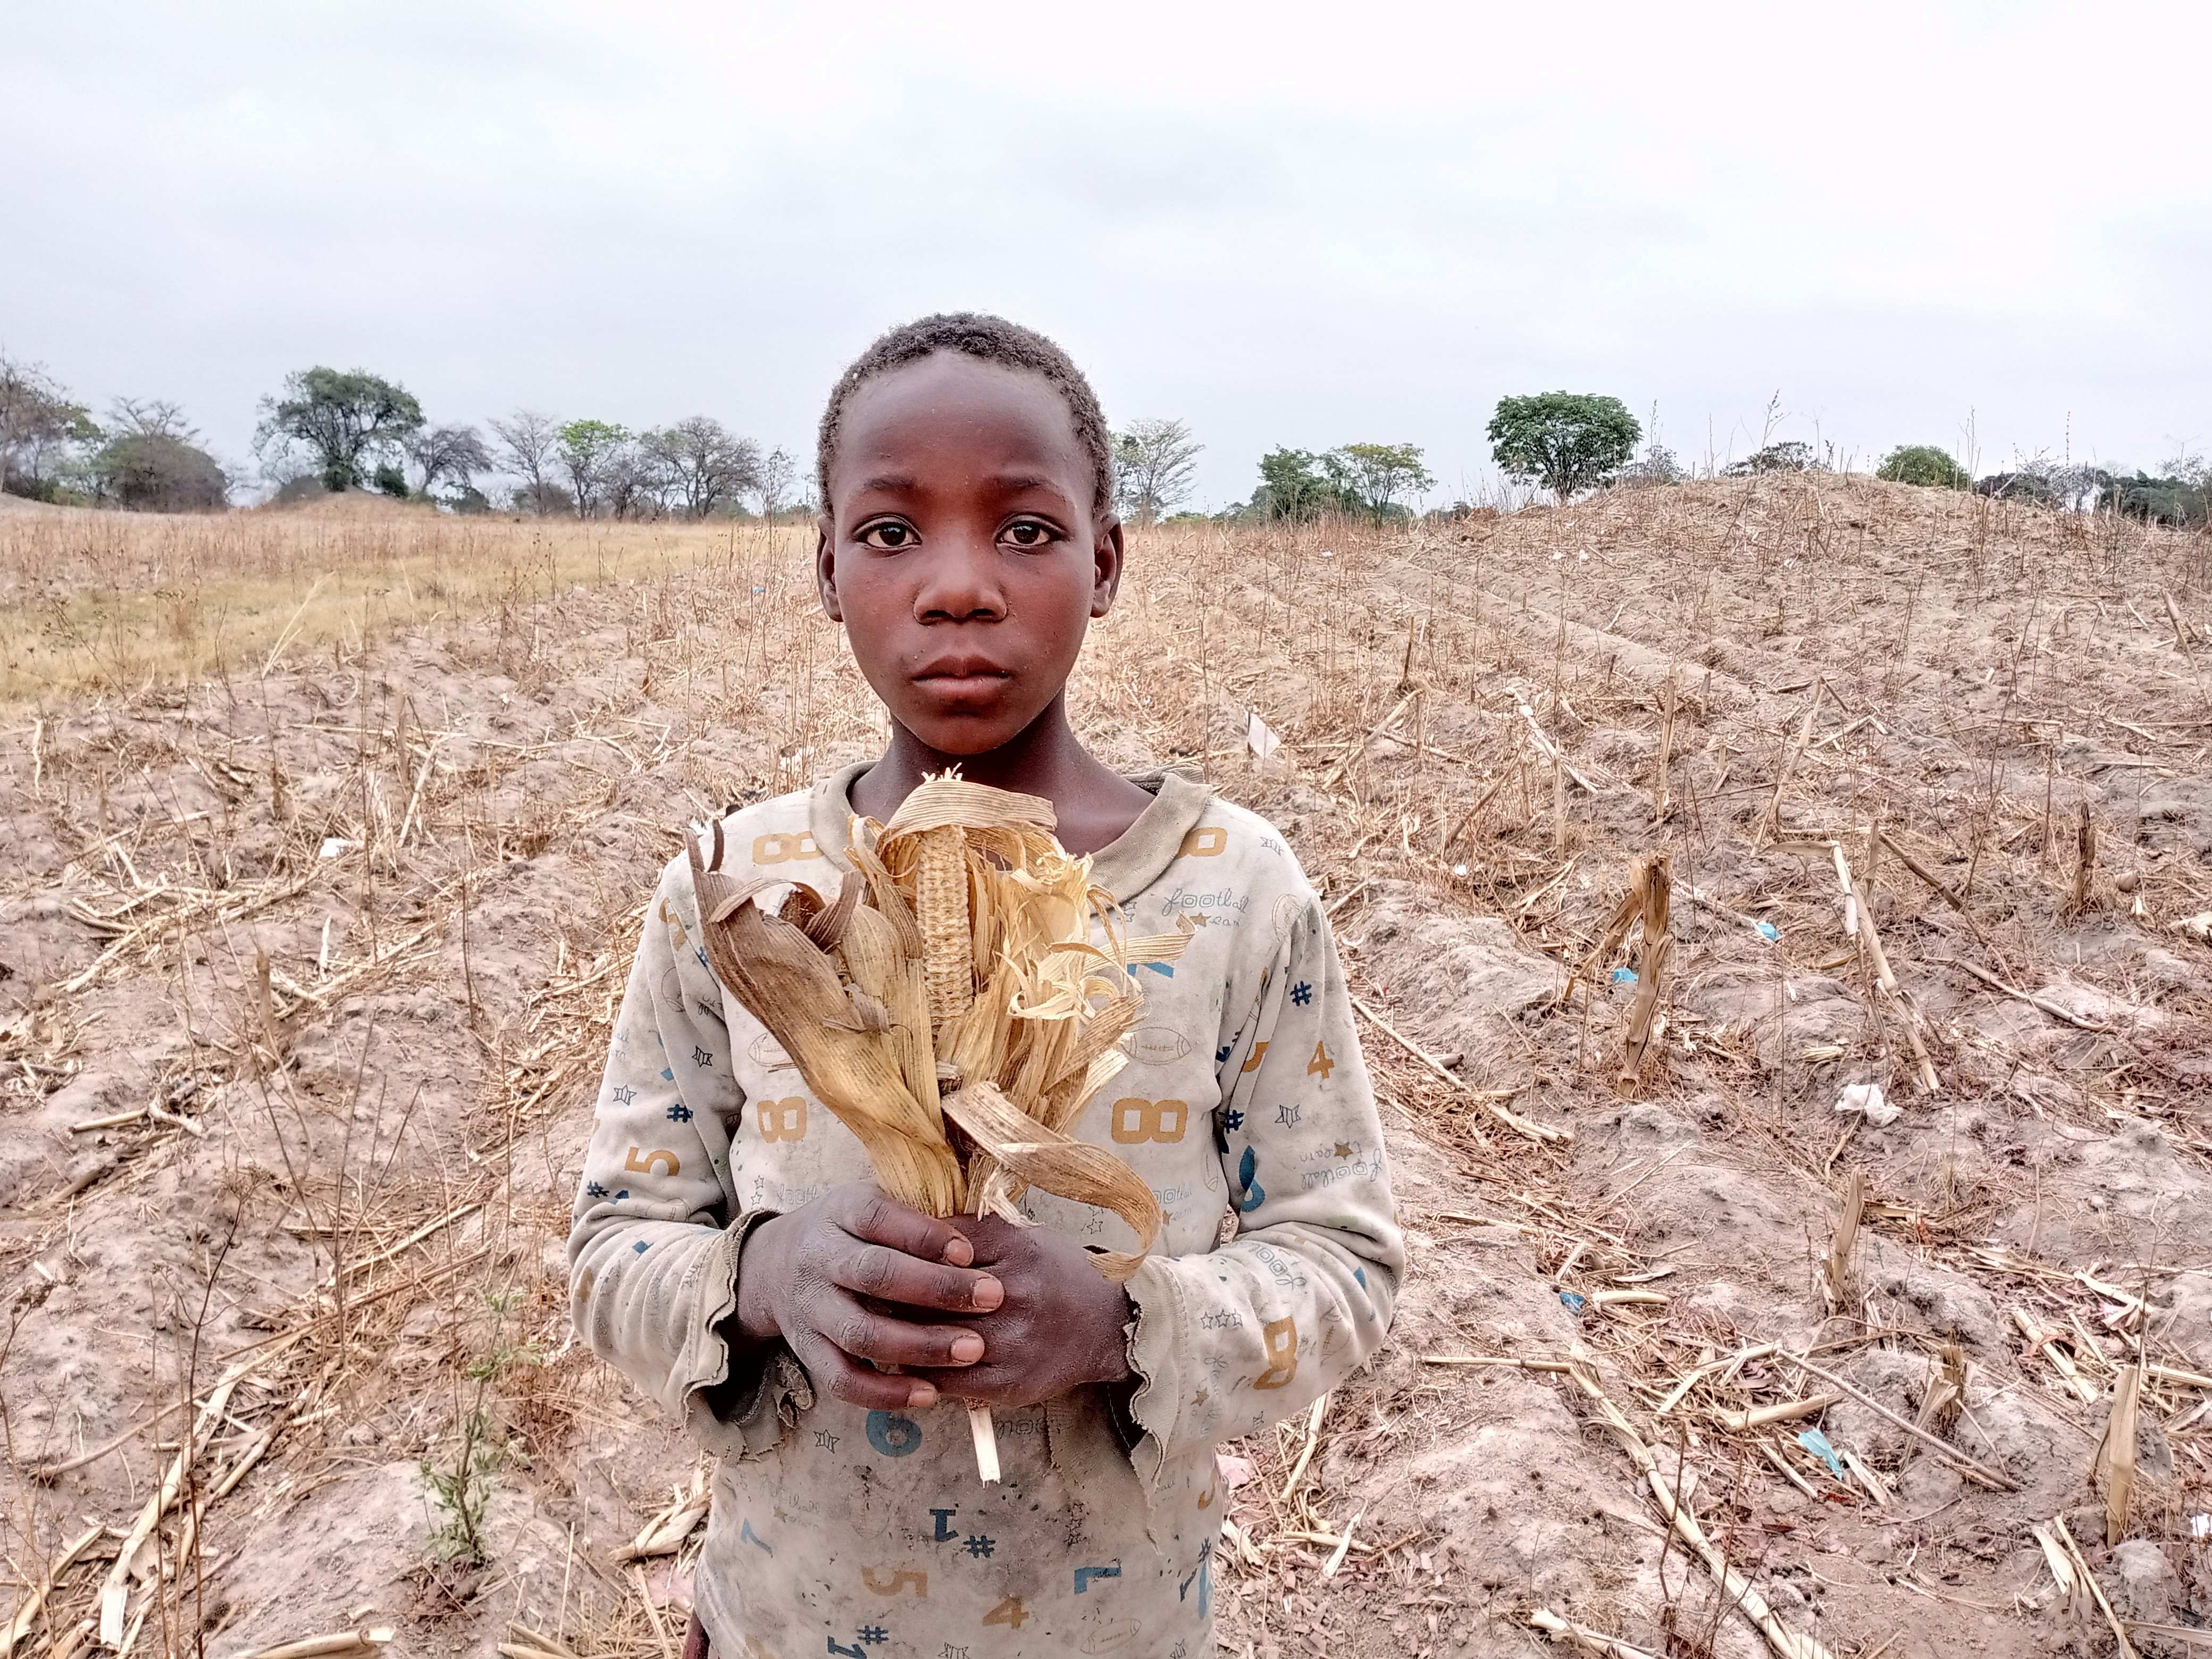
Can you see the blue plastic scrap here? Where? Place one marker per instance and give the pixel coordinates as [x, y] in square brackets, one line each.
[1623, 976]
[1574, 1302]
[1817, 1443]
[1767, 930]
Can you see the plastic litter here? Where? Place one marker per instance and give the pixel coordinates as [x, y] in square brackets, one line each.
[1623, 976]
[1574, 1303]
[337, 846]
[1867, 1100]
[2200, 1526]
[1767, 930]
[1817, 1443]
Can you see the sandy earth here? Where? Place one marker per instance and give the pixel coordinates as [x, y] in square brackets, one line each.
[346, 1194]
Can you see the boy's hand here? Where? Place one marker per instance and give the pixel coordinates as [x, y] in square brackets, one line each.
[852, 1277]
[1060, 1325]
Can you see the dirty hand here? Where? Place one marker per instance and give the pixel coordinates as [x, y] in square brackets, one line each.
[856, 1276]
[1059, 1326]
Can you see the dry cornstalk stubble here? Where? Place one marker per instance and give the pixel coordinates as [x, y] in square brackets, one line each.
[949, 1007]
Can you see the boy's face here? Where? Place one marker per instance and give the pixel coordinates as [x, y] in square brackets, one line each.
[959, 547]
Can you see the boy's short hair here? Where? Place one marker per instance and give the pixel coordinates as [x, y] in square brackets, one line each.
[988, 339]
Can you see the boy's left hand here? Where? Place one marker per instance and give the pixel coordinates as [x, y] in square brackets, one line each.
[1061, 1325]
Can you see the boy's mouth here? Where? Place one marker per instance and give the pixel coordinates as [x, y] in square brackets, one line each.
[955, 676]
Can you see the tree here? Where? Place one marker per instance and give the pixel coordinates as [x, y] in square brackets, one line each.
[633, 480]
[152, 462]
[1370, 478]
[703, 463]
[527, 440]
[1567, 441]
[346, 419]
[40, 426]
[586, 450]
[778, 473]
[1292, 486]
[1792, 455]
[1657, 464]
[1154, 464]
[1925, 464]
[454, 454]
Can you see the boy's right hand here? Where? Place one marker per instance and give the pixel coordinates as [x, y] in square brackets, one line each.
[853, 1277]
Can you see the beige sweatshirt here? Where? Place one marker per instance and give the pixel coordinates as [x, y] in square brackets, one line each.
[1246, 1107]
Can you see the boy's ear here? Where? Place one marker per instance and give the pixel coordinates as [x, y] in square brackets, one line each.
[825, 566]
[1107, 556]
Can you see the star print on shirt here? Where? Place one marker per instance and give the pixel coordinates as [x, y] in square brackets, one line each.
[1288, 1115]
[622, 1094]
[1302, 993]
[825, 1440]
[701, 1055]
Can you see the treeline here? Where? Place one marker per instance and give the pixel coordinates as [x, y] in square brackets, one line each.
[333, 430]
[330, 430]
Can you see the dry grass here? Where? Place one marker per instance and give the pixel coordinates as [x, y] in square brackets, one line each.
[503, 725]
[128, 602]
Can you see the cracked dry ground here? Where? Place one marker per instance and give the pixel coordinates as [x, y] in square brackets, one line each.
[305, 980]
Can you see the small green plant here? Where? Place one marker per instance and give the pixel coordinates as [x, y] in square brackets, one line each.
[461, 1487]
[1925, 464]
[1567, 441]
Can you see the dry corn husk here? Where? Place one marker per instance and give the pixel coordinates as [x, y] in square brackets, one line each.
[952, 982]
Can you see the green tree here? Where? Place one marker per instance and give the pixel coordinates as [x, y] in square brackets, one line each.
[41, 430]
[1292, 486]
[1370, 478]
[1154, 464]
[152, 462]
[588, 451]
[1567, 441]
[346, 419]
[1925, 464]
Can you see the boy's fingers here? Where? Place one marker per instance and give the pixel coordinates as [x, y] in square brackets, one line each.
[889, 1341]
[879, 1219]
[889, 1275]
[857, 1384]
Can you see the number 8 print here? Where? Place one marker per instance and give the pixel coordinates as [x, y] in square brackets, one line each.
[781, 1119]
[1136, 1121]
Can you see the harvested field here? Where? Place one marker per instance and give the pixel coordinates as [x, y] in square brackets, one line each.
[1654, 828]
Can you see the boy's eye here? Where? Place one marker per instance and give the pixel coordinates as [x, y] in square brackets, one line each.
[888, 537]
[1028, 532]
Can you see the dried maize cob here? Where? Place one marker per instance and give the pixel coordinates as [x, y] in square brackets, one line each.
[940, 905]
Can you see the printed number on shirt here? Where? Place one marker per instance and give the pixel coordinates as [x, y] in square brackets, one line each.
[1137, 1122]
[904, 1578]
[649, 1163]
[781, 1119]
[1258, 1053]
[1321, 1062]
[1010, 1612]
[1209, 842]
[781, 847]
[1281, 1336]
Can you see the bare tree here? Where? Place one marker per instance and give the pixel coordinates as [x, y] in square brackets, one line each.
[704, 464]
[527, 442]
[455, 453]
[632, 479]
[151, 417]
[1154, 464]
[778, 472]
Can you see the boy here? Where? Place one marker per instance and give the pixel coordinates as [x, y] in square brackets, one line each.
[729, 1254]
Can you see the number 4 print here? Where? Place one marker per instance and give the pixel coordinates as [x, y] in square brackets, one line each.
[1321, 1062]
[1010, 1611]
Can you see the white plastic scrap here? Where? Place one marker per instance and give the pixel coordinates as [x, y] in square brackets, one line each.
[1260, 737]
[2198, 927]
[1867, 1100]
[2200, 1526]
[337, 846]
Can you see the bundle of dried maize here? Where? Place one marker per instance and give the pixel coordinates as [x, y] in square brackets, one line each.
[953, 980]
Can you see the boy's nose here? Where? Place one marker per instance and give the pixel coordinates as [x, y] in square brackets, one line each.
[961, 581]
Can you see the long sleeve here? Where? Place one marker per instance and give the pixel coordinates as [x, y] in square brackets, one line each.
[1230, 1341]
[654, 1240]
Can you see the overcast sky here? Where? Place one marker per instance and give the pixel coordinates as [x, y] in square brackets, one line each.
[1285, 224]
